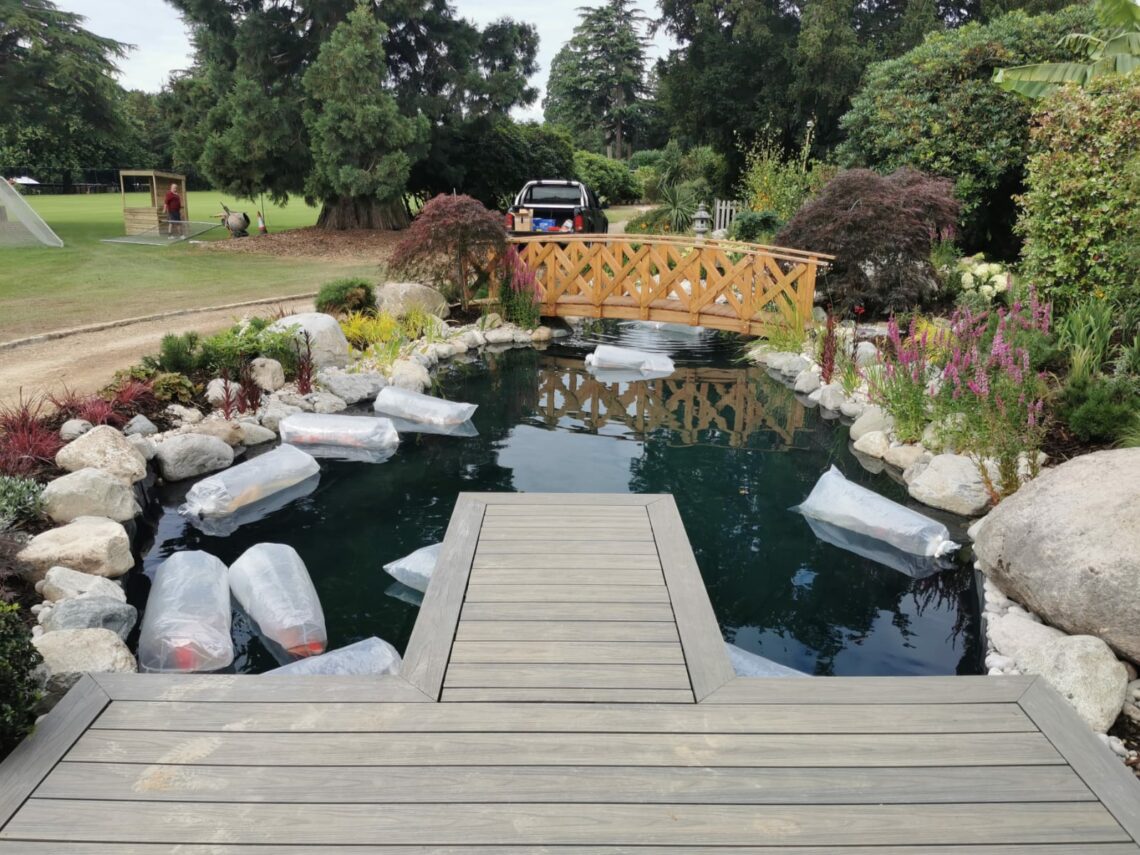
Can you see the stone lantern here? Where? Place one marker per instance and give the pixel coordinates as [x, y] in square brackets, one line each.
[701, 222]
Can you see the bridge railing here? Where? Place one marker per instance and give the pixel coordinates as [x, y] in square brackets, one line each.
[742, 287]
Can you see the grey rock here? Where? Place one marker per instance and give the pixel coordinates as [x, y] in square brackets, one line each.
[951, 482]
[267, 373]
[407, 374]
[849, 409]
[73, 429]
[329, 346]
[228, 432]
[70, 653]
[274, 412]
[1067, 545]
[89, 493]
[255, 434]
[791, 368]
[140, 425]
[831, 397]
[216, 391]
[63, 583]
[866, 354]
[103, 448]
[352, 388]
[872, 418]
[473, 338]
[1083, 670]
[542, 334]
[873, 444]
[904, 456]
[490, 321]
[93, 612]
[326, 402]
[500, 335]
[191, 454]
[807, 381]
[399, 298]
[93, 545]
[183, 415]
[145, 446]
[1021, 639]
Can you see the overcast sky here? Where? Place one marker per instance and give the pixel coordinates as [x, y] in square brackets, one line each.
[162, 44]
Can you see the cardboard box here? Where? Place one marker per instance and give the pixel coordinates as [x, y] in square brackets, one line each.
[523, 221]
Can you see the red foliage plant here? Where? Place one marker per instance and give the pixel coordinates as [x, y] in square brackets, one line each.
[28, 443]
[99, 411]
[827, 352]
[249, 393]
[133, 397]
[304, 375]
[230, 397]
[878, 228]
[457, 231]
[67, 403]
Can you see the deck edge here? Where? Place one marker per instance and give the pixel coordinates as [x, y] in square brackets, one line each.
[429, 647]
[1110, 781]
[706, 657]
[34, 758]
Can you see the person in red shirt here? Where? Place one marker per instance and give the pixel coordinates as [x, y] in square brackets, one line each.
[172, 207]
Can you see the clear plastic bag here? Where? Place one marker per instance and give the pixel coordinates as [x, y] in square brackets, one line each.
[748, 664]
[465, 429]
[837, 501]
[609, 357]
[415, 570]
[401, 592]
[416, 407]
[186, 625]
[255, 511]
[371, 656]
[361, 438]
[247, 483]
[271, 584]
[879, 551]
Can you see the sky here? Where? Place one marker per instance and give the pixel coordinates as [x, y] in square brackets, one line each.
[162, 44]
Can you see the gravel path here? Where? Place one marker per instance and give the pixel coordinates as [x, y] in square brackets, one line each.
[86, 360]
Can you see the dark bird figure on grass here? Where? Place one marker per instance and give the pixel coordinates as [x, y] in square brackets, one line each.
[236, 222]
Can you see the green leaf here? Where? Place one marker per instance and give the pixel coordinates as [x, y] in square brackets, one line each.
[1037, 81]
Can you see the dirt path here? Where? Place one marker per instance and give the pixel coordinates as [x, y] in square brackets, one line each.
[85, 361]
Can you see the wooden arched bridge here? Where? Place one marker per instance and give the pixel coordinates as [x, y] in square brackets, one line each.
[690, 402]
[725, 285]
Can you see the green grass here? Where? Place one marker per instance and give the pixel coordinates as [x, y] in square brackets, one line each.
[88, 281]
[623, 213]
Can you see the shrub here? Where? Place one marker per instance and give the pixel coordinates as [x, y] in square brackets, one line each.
[879, 228]
[177, 354]
[755, 226]
[981, 282]
[28, 443]
[518, 292]
[903, 381]
[230, 350]
[648, 181]
[461, 232]
[652, 222]
[646, 158]
[342, 296]
[20, 501]
[1079, 213]
[608, 178]
[935, 109]
[363, 330]
[680, 204]
[774, 182]
[1099, 408]
[19, 690]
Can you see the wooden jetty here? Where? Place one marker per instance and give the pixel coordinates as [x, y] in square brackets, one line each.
[565, 690]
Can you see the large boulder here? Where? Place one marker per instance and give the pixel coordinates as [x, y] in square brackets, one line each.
[103, 448]
[399, 298]
[192, 454]
[951, 482]
[873, 444]
[352, 388]
[63, 583]
[71, 653]
[89, 493]
[92, 612]
[1067, 546]
[229, 432]
[807, 381]
[1084, 671]
[94, 545]
[329, 346]
[1021, 639]
[408, 374]
[140, 425]
[904, 456]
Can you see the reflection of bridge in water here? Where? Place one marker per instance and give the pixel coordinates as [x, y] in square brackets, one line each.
[732, 401]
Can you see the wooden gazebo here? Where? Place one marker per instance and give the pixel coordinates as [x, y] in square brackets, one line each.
[137, 220]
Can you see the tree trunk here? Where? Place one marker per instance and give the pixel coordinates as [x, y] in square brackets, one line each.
[363, 213]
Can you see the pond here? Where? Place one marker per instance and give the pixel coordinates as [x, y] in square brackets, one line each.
[734, 447]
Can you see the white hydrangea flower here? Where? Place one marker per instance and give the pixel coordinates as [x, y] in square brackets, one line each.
[968, 281]
[1001, 284]
[987, 291]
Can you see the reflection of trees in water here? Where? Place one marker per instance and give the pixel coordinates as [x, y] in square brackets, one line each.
[727, 404]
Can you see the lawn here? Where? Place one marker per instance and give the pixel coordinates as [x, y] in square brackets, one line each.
[88, 281]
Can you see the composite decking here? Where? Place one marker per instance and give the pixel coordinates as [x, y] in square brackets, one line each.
[565, 690]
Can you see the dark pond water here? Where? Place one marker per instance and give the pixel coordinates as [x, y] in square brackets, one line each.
[734, 447]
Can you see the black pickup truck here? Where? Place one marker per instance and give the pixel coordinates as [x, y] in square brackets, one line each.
[556, 206]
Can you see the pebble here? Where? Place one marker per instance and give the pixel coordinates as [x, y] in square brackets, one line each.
[1002, 663]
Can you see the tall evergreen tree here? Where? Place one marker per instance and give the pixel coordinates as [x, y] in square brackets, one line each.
[599, 77]
[829, 62]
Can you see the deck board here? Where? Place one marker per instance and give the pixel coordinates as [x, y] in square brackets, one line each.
[566, 690]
